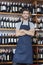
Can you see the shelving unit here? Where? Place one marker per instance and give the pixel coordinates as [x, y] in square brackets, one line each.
[36, 61]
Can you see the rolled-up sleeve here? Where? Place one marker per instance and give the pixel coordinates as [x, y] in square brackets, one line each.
[32, 25]
[17, 25]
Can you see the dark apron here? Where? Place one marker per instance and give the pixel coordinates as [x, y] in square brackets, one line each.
[23, 53]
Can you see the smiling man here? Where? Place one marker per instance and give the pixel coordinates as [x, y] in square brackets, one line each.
[25, 31]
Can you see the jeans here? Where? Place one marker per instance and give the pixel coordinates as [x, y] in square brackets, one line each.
[20, 63]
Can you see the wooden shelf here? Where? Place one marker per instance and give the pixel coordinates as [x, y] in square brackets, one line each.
[8, 46]
[34, 60]
[36, 14]
[8, 13]
[3, 45]
[37, 45]
[38, 61]
[22, 1]
[5, 62]
[18, 14]
[7, 29]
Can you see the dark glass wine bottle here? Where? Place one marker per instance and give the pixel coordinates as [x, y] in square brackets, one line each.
[19, 8]
[7, 22]
[38, 9]
[0, 6]
[13, 7]
[8, 7]
[11, 24]
[2, 23]
[42, 9]
[3, 7]
[11, 4]
[22, 5]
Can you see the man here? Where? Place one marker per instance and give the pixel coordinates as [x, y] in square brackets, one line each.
[23, 54]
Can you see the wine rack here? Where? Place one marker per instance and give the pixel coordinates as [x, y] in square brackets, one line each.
[10, 13]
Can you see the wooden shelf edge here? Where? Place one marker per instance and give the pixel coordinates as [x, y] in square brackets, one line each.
[9, 13]
[5, 62]
[9, 29]
[38, 61]
[8, 45]
[18, 14]
[15, 45]
[37, 45]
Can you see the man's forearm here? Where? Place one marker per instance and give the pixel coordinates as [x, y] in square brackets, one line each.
[25, 32]
[19, 33]
[29, 32]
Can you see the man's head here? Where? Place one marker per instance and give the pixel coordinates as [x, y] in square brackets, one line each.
[25, 14]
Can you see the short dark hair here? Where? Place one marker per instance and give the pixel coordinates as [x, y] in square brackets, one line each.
[25, 9]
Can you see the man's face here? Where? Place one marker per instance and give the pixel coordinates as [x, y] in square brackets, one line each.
[25, 15]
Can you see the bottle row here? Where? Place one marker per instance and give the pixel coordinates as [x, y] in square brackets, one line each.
[39, 26]
[7, 22]
[8, 40]
[6, 55]
[39, 57]
[38, 41]
[39, 50]
[17, 7]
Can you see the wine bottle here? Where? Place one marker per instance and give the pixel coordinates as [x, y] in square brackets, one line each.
[22, 5]
[42, 9]
[0, 6]
[11, 24]
[7, 22]
[11, 40]
[3, 7]
[19, 8]
[4, 57]
[28, 7]
[11, 4]
[0, 39]
[13, 7]
[2, 23]
[11, 55]
[8, 7]
[7, 56]
[3, 39]
[14, 40]
[40, 56]
[38, 9]
[16, 7]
